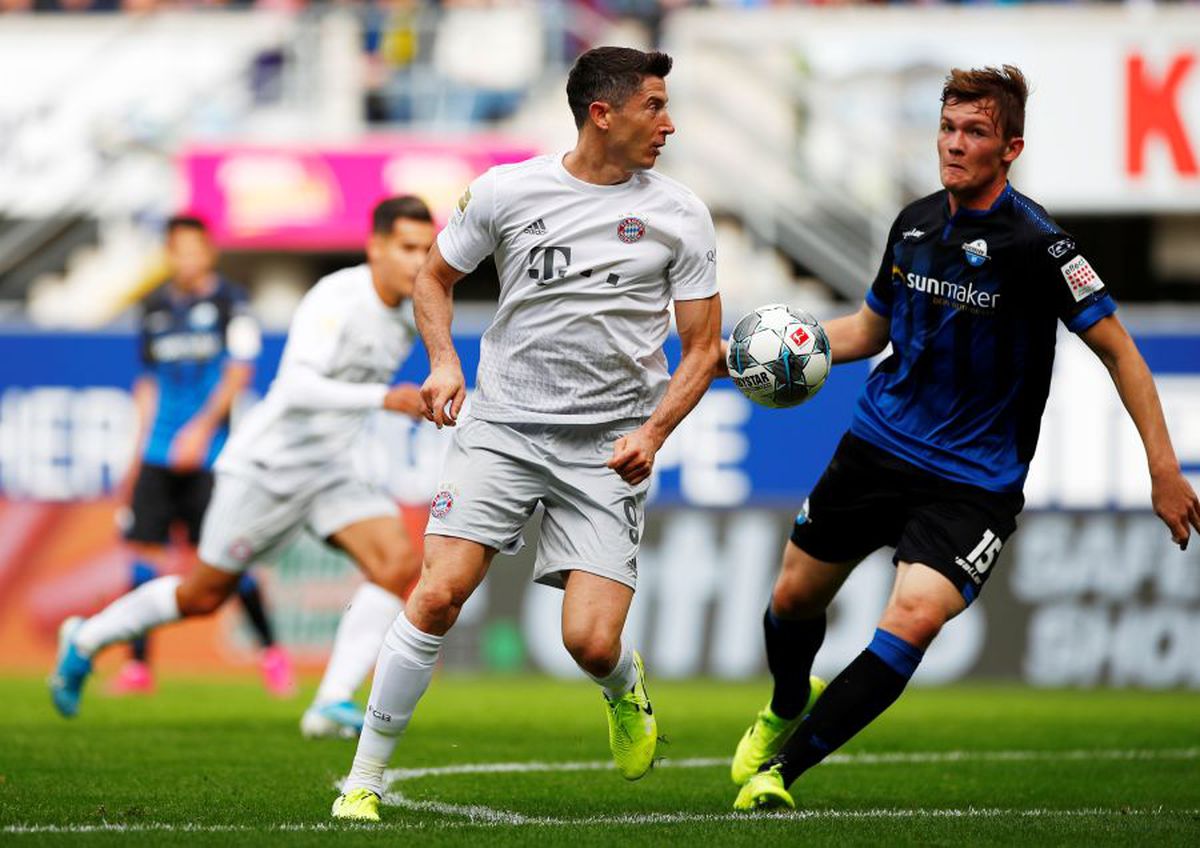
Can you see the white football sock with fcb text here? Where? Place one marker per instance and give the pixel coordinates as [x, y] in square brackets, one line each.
[402, 675]
[129, 616]
[356, 645]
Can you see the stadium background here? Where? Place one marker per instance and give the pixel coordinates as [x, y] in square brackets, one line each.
[803, 128]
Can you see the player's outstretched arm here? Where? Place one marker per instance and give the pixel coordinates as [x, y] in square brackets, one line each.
[1173, 498]
[433, 305]
[857, 336]
[405, 398]
[699, 325]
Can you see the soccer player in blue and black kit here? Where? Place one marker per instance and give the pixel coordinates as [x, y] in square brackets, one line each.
[198, 347]
[972, 284]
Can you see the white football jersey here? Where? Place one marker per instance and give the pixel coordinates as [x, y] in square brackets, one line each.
[343, 348]
[587, 273]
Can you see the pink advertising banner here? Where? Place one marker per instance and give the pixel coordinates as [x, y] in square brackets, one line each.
[320, 197]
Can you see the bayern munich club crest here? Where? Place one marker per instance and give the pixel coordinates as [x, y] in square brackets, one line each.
[442, 503]
[631, 229]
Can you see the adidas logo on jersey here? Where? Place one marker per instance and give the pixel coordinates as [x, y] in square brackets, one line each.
[537, 228]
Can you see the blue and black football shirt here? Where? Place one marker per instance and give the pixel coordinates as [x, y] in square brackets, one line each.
[973, 299]
[185, 344]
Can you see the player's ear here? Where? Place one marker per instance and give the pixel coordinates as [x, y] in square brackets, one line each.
[374, 248]
[600, 114]
[1012, 149]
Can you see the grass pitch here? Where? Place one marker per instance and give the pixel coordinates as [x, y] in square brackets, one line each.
[217, 762]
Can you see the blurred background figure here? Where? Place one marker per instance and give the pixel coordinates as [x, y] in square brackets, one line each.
[198, 348]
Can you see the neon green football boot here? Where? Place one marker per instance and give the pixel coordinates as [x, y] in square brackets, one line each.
[764, 739]
[357, 805]
[764, 791]
[632, 728]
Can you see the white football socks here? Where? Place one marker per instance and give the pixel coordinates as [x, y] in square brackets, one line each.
[356, 645]
[622, 678]
[402, 675]
[146, 607]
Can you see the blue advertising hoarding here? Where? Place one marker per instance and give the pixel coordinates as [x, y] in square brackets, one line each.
[66, 424]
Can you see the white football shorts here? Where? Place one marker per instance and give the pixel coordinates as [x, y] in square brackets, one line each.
[495, 475]
[245, 523]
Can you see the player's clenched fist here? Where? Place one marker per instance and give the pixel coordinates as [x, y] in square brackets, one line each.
[633, 456]
[443, 394]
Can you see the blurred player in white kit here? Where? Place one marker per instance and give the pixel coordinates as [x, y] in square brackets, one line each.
[288, 466]
[572, 401]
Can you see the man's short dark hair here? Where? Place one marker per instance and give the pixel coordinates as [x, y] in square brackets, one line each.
[1005, 86]
[611, 75]
[404, 207]
[185, 222]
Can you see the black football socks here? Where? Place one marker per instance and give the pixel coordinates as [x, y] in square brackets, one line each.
[855, 698]
[791, 646]
[252, 601]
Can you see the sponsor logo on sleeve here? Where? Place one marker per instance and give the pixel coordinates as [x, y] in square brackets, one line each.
[1060, 248]
[913, 234]
[1081, 279]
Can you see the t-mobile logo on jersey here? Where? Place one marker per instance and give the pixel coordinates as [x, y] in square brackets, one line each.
[544, 263]
[982, 557]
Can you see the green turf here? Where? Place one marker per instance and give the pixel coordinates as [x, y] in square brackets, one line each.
[221, 758]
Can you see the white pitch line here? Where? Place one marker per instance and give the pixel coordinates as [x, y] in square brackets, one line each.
[972, 813]
[392, 776]
[477, 814]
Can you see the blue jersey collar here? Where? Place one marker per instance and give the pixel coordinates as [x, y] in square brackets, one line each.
[965, 213]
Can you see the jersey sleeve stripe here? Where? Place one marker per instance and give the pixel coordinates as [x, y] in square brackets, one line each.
[1102, 308]
[873, 301]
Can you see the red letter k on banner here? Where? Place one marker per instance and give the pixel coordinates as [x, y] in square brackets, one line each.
[1153, 109]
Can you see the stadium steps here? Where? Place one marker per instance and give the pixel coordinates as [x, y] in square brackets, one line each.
[31, 248]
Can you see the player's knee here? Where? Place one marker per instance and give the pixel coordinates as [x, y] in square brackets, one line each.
[594, 652]
[199, 601]
[434, 605]
[915, 620]
[791, 599]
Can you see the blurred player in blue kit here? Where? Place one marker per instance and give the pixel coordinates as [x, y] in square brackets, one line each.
[198, 347]
[972, 285]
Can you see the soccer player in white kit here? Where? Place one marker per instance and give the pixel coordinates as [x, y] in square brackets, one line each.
[572, 398]
[288, 465]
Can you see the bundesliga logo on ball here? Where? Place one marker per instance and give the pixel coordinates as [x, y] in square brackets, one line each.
[778, 356]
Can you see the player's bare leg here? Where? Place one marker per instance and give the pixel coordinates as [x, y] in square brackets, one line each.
[593, 617]
[162, 600]
[382, 550]
[451, 571]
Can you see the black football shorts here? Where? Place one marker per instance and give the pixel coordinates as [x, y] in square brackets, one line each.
[161, 497]
[869, 498]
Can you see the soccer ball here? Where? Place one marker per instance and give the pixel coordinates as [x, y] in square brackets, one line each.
[778, 356]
